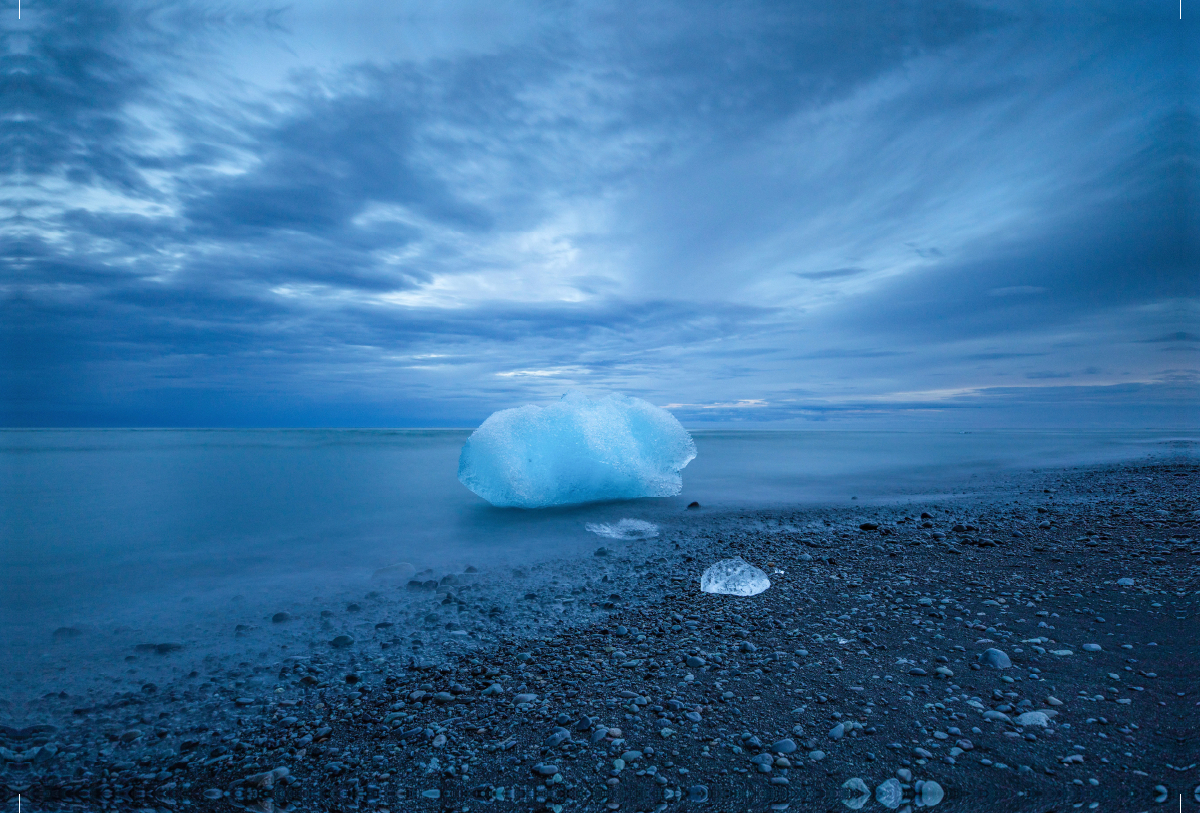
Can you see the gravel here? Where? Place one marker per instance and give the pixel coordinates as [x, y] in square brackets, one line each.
[880, 666]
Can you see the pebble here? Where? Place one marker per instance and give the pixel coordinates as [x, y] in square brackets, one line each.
[931, 793]
[858, 794]
[995, 658]
[889, 793]
[785, 746]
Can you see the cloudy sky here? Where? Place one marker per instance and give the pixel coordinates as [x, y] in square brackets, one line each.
[803, 213]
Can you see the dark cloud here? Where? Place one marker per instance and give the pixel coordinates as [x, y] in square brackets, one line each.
[615, 198]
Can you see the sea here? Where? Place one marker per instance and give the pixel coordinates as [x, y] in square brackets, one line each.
[152, 531]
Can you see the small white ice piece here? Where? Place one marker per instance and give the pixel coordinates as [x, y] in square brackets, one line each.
[734, 577]
[625, 529]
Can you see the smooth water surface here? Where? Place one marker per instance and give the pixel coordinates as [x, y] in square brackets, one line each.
[107, 525]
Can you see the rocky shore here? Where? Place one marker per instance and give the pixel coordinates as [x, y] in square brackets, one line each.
[1031, 648]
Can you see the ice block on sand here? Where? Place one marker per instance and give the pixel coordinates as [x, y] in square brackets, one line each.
[576, 450]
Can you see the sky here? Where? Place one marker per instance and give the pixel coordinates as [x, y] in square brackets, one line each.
[836, 213]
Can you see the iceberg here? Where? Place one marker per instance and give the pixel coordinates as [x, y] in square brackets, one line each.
[734, 577]
[575, 451]
[625, 529]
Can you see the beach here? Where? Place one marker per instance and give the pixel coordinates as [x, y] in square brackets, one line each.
[868, 671]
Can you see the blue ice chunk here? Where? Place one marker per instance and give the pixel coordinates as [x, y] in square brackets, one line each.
[576, 450]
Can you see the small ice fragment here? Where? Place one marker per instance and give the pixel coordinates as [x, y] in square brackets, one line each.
[625, 529]
[576, 451]
[734, 577]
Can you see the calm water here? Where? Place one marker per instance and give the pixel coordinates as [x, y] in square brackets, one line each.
[105, 525]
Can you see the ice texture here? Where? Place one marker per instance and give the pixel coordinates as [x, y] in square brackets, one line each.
[625, 529]
[575, 451]
[734, 577]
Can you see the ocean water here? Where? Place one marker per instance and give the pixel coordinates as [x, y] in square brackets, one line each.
[129, 529]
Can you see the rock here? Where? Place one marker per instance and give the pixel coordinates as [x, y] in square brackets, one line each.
[280, 617]
[692, 506]
[995, 715]
[1033, 718]
[889, 793]
[525, 697]
[856, 793]
[785, 746]
[1126, 582]
[443, 697]
[342, 642]
[995, 658]
[213, 793]
[598, 734]
[869, 526]
[267, 779]
[494, 689]
[816, 756]
[545, 769]
[1091, 647]
[837, 731]
[558, 737]
[931, 793]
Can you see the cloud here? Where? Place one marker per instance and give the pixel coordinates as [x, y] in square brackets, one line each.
[422, 221]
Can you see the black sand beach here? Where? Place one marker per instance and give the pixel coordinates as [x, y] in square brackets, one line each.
[972, 653]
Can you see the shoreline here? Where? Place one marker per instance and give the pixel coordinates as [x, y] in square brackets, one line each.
[835, 673]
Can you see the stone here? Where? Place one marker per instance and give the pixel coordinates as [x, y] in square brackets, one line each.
[889, 793]
[1033, 718]
[785, 746]
[931, 793]
[995, 658]
[1091, 647]
[856, 793]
